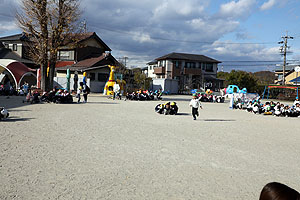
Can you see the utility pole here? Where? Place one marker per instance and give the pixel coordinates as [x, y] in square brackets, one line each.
[283, 49]
[125, 59]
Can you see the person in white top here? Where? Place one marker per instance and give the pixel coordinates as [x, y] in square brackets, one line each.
[296, 101]
[116, 90]
[195, 104]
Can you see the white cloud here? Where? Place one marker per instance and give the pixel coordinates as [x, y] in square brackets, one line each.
[7, 26]
[247, 52]
[237, 9]
[144, 30]
[142, 37]
[175, 8]
[268, 5]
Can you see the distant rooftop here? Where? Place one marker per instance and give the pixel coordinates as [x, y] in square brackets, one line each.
[15, 37]
[289, 67]
[9, 54]
[186, 56]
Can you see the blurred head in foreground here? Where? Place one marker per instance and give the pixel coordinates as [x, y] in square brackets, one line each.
[278, 191]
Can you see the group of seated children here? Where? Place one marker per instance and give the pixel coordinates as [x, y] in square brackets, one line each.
[211, 98]
[168, 108]
[271, 108]
[32, 97]
[55, 96]
[143, 95]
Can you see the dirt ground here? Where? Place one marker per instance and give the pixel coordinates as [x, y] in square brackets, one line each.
[107, 149]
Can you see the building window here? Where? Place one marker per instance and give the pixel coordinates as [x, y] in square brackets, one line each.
[102, 77]
[65, 55]
[92, 76]
[6, 46]
[190, 65]
[15, 47]
[203, 66]
[209, 67]
[193, 65]
[177, 64]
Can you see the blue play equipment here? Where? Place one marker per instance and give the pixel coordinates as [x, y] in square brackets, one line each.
[235, 89]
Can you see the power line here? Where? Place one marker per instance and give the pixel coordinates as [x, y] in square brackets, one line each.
[228, 65]
[255, 61]
[164, 39]
[176, 40]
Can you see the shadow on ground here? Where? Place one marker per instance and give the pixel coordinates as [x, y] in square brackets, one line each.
[18, 110]
[101, 103]
[16, 119]
[164, 98]
[12, 102]
[218, 120]
[182, 114]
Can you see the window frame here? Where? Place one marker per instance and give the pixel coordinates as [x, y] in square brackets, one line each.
[15, 47]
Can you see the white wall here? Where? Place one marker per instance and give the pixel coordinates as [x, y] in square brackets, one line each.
[151, 71]
[61, 82]
[97, 86]
[166, 85]
[19, 49]
[158, 83]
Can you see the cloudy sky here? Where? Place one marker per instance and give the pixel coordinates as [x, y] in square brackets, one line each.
[226, 30]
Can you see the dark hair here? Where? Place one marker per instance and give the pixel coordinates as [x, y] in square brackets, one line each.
[278, 191]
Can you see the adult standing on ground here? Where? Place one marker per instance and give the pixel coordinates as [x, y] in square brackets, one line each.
[195, 104]
[116, 91]
[75, 86]
[86, 91]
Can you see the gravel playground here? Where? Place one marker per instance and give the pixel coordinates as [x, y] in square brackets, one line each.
[107, 149]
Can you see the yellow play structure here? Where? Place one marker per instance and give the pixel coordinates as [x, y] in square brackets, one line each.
[109, 85]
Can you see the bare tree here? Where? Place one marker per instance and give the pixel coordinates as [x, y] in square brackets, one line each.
[34, 21]
[49, 24]
[63, 18]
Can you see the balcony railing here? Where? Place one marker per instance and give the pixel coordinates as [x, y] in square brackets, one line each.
[192, 71]
[159, 70]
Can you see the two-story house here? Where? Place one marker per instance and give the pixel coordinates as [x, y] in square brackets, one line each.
[186, 71]
[17, 47]
[82, 52]
[87, 54]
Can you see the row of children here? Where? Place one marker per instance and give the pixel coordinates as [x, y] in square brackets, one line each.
[168, 108]
[272, 108]
[171, 108]
[54, 96]
[144, 95]
[211, 98]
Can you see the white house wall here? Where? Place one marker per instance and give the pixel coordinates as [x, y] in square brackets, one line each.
[61, 82]
[19, 49]
[151, 71]
[169, 85]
